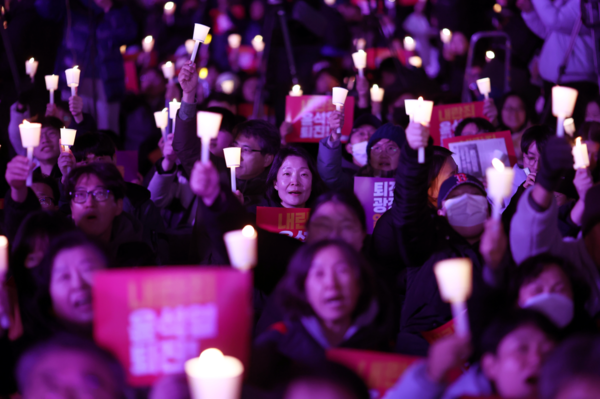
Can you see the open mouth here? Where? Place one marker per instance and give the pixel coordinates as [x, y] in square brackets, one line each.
[296, 193]
[82, 300]
[334, 300]
[90, 217]
[532, 380]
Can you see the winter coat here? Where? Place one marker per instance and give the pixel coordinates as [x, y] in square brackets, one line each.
[336, 172]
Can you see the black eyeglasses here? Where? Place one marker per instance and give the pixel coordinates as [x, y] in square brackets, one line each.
[80, 197]
[248, 150]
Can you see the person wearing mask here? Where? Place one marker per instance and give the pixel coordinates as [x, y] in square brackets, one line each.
[534, 228]
[338, 173]
[459, 228]
[509, 357]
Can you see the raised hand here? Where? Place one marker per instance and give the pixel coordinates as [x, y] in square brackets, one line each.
[336, 121]
[493, 243]
[188, 81]
[490, 111]
[66, 162]
[76, 108]
[417, 135]
[169, 154]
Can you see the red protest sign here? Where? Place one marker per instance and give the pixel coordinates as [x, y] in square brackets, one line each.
[380, 371]
[442, 331]
[153, 320]
[309, 116]
[445, 118]
[289, 221]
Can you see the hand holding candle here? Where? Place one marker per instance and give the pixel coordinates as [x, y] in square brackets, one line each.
[499, 184]
[241, 248]
[563, 104]
[51, 85]
[233, 160]
[208, 125]
[485, 87]
[213, 375]
[454, 278]
[73, 79]
[339, 99]
[30, 138]
[422, 115]
[200, 32]
[580, 154]
[360, 61]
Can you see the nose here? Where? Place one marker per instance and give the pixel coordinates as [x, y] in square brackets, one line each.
[77, 280]
[294, 179]
[89, 201]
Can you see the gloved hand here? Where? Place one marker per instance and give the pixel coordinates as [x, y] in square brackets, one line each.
[556, 160]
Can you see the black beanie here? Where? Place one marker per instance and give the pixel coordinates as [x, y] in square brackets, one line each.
[388, 131]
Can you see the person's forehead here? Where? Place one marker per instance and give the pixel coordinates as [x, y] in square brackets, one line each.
[383, 142]
[247, 140]
[466, 188]
[335, 211]
[514, 101]
[89, 180]
[293, 161]
[50, 129]
[533, 150]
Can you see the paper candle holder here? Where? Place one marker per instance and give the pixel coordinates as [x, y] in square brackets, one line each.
[168, 69]
[499, 180]
[200, 32]
[148, 44]
[232, 156]
[234, 40]
[485, 87]
[422, 111]
[339, 96]
[410, 106]
[563, 101]
[31, 66]
[360, 59]
[30, 134]
[67, 136]
[445, 35]
[51, 82]
[258, 43]
[213, 375]
[208, 124]
[72, 75]
[580, 155]
[242, 248]
[377, 94]
[173, 108]
[455, 279]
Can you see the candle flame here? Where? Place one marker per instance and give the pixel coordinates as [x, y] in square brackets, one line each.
[174, 101]
[25, 122]
[76, 67]
[169, 5]
[578, 142]
[3, 241]
[208, 39]
[123, 49]
[497, 8]
[31, 60]
[409, 40]
[498, 164]
[257, 39]
[446, 32]
[249, 232]
[415, 61]
[211, 355]
[203, 73]
[296, 88]
[165, 110]
[376, 86]
[490, 55]
[168, 63]
[148, 39]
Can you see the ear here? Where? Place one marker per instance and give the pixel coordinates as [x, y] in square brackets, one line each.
[442, 210]
[489, 366]
[275, 185]
[349, 148]
[119, 207]
[268, 160]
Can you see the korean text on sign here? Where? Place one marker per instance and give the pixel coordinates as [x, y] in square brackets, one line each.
[376, 194]
[291, 222]
[445, 119]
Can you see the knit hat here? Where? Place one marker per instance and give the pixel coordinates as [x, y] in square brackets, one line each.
[591, 212]
[458, 180]
[388, 131]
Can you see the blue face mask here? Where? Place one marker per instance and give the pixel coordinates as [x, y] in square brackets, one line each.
[467, 210]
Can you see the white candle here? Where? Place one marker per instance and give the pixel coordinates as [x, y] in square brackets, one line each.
[410, 106]
[227, 86]
[258, 44]
[30, 138]
[446, 35]
[234, 40]
[241, 248]
[213, 375]
[67, 137]
[173, 108]
[485, 87]
[233, 160]
[569, 126]
[148, 44]
[189, 46]
[51, 85]
[338, 99]
[123, 49]
[499, 184]
[3, 256]
[377, 94]
[415, 61]
[454, 278]
[31, 66]
[208, 125]
[422, 114]
[200, 33]
[170, 8]
[563, 104]
[168, 69]
[162, 120]
[360, 61]
[296, 91]
[409, 44]
[580, 154]
[489, 55]
[73, 79]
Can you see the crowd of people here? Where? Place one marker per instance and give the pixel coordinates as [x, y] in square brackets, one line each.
[69, 212]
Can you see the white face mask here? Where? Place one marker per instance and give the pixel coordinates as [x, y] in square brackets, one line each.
[557, 307]
[359, 152]
[467, 210]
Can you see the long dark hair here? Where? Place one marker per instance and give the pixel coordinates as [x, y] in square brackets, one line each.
[317, 186]
[291, 293]
[528, 111]
[346, 198]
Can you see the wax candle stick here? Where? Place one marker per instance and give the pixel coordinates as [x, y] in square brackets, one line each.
[454, 278]
[234, 40]
[422, 115]
[170, 12]
[409, 44]
[31, 66]
[377, 94]
[148, 44]
[200, 32]
[213, 375]
[173, 108]
[30, 138]
[258, 44]
[446, 36]
[360, 61]
[296, 91]
[51, 85]
[168, 69]
[499, 185]
[3, 257]
[208, 125]
[485, 87]
[563, 104]
[580, 154]
[227, 86]
[162, 121]
[73, 79]
[241, 248]
[338, 99]
[233, 160]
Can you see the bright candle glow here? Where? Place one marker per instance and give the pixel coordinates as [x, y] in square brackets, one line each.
[203, 73]
[454, 278]
[234, 40]
[409, 44]
[580, 154]
[415, 61]
[497, 8]
[489, 55]
[258, 43]
[148, 44]
[498, 164]
[3, 255]
[377, 94]
[227, 86]
[296, 91]
[445, 35]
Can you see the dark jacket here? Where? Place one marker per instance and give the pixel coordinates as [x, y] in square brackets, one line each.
[93, 41]
[424, 239]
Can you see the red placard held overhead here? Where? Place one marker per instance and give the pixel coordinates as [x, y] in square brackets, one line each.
[445, 118]
[288, 221]
[309, 116]
[153, 320]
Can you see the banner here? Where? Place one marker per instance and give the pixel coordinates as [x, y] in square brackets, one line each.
[376, 194]
[445, 118]
[127, 163]
[289, 221]
[153, 320]
[474, 154]
[442, 331]
[309, 116]
[380, 371]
